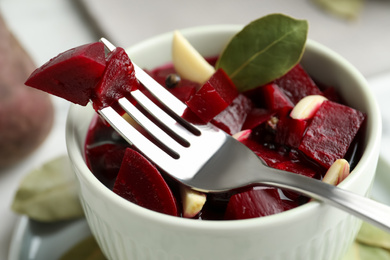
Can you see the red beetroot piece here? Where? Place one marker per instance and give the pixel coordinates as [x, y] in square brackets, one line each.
[321, 142]
[281, 158]
[117, 81]
[271, 157]
[298, 167]
[184, 93]
[297, 84]
[140, 182]
[257, 202]
[256, 117]
[232, 118]
[73, 74]
[213, 97]
[274, 98]
[290, 131]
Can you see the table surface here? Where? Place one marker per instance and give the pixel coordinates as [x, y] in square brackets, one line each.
[48, 27]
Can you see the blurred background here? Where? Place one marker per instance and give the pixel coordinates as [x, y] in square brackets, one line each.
[359, 30]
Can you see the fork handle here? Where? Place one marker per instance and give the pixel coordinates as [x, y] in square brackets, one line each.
[367, 209]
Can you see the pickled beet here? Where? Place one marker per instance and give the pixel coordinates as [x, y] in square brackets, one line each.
[297, 84]
[213, 97]
[322, 142]
[232, 118]
[257, 202]
[140, 182]
[274, 97]
[117, 81]
[73, 74]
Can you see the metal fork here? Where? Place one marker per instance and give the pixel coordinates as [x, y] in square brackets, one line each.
[208, 160]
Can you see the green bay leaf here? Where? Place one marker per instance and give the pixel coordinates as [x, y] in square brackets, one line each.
[86, 249]
[49, 193]
[264, 50]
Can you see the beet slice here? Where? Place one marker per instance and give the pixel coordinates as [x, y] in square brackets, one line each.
[73, 74]
[140, 182]
[213, 97]
[321, 142]
[257, 202]
[297, 84]
[233, 117]
[117, 81]
[105, 161]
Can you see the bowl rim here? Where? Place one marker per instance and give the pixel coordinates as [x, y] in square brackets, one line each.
[76, 155]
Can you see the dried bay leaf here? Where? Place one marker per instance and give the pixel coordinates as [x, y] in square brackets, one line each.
[264, 50]
[373, 236]
[359, 251]
[349, 9]
[49, 193]
[371, 243]
[87, 249]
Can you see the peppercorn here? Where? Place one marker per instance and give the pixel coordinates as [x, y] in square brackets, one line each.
[172, 80]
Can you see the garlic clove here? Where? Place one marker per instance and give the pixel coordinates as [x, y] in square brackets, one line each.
[307, 107]
[192, 200]
[188, 62]
[337, 172]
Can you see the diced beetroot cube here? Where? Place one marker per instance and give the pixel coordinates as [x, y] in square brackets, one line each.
[117, 81]
[256, 117]
[192, 117]
[290, 204]
[321, 142]
[257, 202]
[297, 84]
[140, 182]
[285, 159]
[332, 95]
[298, 167]
[270, 157]
[184, 93]
[213, 97]
[290, 131]
[274, 97]
[233, 117]
[73, 74]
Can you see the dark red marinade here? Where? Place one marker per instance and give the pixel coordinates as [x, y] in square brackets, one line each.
[265, 110]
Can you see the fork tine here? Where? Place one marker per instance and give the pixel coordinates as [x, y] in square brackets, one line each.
[161, 116]
[134, 137]
[107, 44]
[159, 92]
[162, 137]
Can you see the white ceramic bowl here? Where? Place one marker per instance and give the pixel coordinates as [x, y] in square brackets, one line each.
[312, 231]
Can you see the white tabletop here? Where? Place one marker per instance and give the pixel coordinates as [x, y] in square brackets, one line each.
[48, 27]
